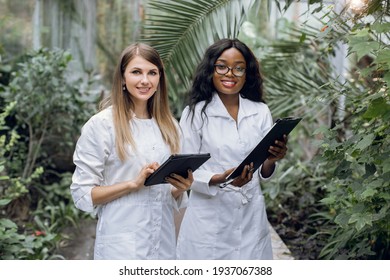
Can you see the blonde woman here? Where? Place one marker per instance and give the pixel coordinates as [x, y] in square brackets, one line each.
[118, 149]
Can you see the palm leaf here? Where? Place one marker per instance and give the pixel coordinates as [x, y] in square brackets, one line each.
[181, 30]
[297, 72]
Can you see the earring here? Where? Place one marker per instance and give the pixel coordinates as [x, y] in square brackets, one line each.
[124, 87]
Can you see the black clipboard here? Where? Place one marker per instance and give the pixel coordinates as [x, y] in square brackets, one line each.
[178, 164]
[260, 153]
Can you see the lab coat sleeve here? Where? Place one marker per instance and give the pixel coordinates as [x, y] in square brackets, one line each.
[267, 178]
[191, 144]
[91, 152]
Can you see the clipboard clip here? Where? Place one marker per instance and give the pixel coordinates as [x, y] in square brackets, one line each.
[224, 184]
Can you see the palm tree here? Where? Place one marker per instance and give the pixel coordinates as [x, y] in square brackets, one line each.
[181, 30]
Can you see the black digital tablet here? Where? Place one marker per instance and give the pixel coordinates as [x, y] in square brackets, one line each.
[178, 164]
[260, 153]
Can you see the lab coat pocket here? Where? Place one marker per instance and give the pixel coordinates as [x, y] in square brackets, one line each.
[115, 246]
[262, 227]
[263, 247]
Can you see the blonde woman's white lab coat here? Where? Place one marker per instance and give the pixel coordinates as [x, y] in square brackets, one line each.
[228, 223]
[139, 225]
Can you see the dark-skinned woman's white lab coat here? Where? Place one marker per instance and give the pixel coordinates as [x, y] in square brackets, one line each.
[231, 222]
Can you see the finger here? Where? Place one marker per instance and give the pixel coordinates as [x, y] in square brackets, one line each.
[227, 172]
[154, 165]
[277, 152]
[181, 179]
[249, 175]
[280, 144]
[279, 149]
[190, 176]
[251, 168]
[273, 153]
[177, 177]
[148, 168]
[275, 149]
[178, 184]
[244, 172]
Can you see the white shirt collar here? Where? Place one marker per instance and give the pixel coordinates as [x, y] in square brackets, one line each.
[216, 108]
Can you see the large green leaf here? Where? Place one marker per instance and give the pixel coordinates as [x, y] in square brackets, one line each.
[181, 30]
[377, 108]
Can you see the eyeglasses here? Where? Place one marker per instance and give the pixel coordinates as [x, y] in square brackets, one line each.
[223, 70]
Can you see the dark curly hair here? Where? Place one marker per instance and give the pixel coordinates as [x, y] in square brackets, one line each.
[203, 87]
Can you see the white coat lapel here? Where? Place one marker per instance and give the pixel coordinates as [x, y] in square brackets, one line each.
[247, 108]
[216, 108]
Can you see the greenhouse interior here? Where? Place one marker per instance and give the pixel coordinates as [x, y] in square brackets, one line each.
[326, 62]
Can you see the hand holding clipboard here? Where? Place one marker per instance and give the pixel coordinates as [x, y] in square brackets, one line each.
[260, 153]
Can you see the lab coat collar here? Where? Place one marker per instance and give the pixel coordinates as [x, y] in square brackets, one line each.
[217, 109]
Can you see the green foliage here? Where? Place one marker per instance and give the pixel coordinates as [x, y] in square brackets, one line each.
[47, 106]
[347, 185]
[11, 188]
[357, 152]
[293, 207]
[31, 244]
[358, 193]
[56, 208]
[40, 238]
[24, 246]
[304, 67]
[44, 110]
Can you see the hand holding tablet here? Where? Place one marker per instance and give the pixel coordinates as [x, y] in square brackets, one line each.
[178, 164]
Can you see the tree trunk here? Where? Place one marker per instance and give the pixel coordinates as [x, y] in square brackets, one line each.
[37, 25]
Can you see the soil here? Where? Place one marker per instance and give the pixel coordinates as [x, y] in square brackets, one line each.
[79, 242]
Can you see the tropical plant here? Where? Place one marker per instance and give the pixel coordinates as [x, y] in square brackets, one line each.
[354, 172]
[44, 95]
[181, 30]
[43, 112]
[16, 243]
[356, 150]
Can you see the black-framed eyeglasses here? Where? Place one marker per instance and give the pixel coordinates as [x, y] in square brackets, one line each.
[223, 70]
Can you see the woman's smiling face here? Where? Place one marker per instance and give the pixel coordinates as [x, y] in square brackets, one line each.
[141, 78]
[229, 83]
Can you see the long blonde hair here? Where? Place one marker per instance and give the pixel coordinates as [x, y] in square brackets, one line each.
[157, 106]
